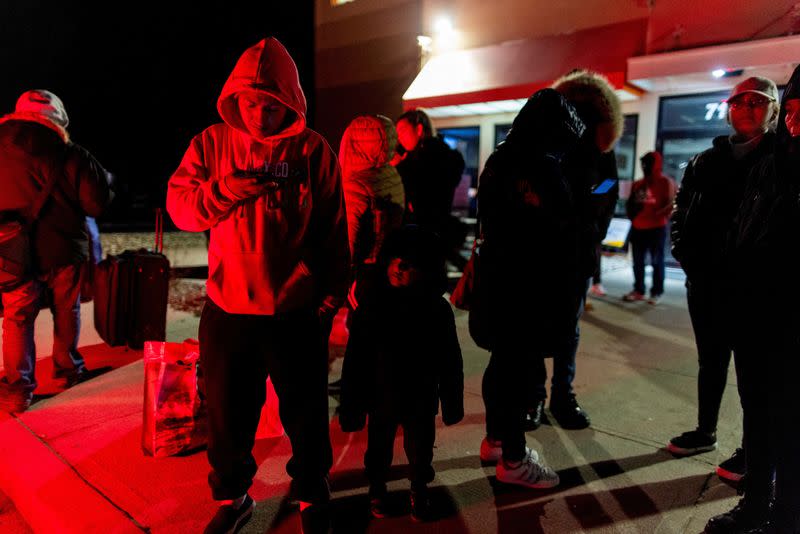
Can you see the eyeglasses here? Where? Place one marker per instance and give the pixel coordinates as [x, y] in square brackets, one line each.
[751, 103]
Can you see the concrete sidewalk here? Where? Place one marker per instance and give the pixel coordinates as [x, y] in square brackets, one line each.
[73, 463]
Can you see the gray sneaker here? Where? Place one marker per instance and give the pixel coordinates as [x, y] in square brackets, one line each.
[529, 473]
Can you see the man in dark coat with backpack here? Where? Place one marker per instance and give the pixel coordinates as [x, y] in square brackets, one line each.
[50, 185]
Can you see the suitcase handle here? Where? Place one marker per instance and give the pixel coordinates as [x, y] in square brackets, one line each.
[159, 248]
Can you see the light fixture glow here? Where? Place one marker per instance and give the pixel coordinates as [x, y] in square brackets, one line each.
[718, 73]
[443, 25]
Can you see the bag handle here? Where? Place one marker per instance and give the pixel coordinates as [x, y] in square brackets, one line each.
[159, 247]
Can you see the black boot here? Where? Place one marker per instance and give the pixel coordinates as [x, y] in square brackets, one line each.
[533, 419]
[568, 413]
[420, 504]
[377, 501]
[747, 515]
[316, 519]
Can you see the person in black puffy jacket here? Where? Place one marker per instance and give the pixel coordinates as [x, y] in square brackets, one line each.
[531, 271]
[765, 253]
[431, 172]
[402, 359]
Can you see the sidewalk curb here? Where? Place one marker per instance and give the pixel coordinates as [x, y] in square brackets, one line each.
[48, 492]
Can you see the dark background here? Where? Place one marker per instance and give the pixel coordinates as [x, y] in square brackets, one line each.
[140, 79]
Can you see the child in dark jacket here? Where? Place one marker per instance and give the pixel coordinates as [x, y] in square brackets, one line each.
[402, 358]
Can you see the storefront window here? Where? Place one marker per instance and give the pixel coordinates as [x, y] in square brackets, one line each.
[687, 125]
[466, 141]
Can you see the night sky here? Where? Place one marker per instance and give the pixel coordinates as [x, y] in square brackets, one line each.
[139, 80]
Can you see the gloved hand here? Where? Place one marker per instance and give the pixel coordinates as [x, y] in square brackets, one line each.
[241, 186]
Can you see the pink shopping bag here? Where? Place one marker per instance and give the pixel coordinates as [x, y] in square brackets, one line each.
[175, 418]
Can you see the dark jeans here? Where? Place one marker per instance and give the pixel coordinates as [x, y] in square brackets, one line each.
[643, 242]
[237, 353]
[767, 378]
[563, 364]
[714, 340]
[596, 275]
[21, 306]
[419, 434]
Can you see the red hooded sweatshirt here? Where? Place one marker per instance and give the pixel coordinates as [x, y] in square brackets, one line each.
[288, 249]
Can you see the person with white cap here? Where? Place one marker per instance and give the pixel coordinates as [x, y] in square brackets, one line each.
[51, 185]
[713, 186]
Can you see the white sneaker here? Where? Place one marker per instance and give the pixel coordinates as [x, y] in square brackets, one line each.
[529, 473]
[597, 290]
[492, 451]
[654, 300]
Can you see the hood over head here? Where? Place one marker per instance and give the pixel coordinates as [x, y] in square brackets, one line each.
[787, 148]
[265, 69]
[597, 105]
[546, 120]
[368, 143]
[422, 248]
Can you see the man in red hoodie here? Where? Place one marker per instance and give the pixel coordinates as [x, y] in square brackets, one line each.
[270, 190]
[649, 208]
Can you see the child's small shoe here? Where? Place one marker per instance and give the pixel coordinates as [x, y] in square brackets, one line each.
[377, 501]
[420, 504]
[377, 507]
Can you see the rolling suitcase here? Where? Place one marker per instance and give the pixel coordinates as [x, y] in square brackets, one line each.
[131, 291]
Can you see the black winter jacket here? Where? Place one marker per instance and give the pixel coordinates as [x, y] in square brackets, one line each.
[765, 243]
[532, 222]
[402, 358]
[403, 355]
[587, 168]
[35, 155]
[431, 173]
[707, 202]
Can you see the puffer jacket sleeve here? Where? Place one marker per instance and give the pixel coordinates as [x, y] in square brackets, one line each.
[357, 202]
[195, 200]
[327, 239]
[91, 180]
[451, 369]
[488, 191]
[684, 200]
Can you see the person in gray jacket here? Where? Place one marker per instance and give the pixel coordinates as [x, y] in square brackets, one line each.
[52, 184]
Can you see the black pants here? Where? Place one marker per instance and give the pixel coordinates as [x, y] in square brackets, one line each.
[514, 380]
[767, 377]
[714, 339]
[419, 434]
[237, 353]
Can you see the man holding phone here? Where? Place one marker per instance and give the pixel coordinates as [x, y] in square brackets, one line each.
[270, 190]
